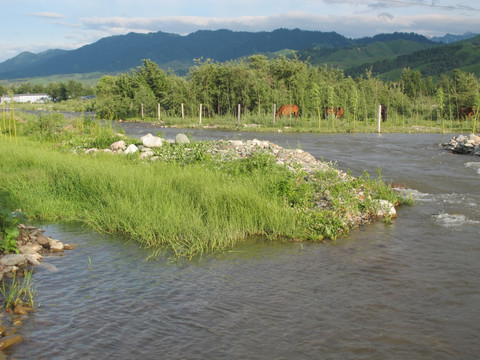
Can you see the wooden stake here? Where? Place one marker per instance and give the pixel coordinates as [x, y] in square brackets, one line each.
[274, 111]
[379, 118]
[238, 116]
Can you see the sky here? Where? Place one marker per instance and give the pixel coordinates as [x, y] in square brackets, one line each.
[39, 25]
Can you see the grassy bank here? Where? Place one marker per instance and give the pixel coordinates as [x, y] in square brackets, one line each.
[395, 124]
[163, 204]
[187, 203]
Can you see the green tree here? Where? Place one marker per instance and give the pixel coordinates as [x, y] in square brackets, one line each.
[411, 81]
[145, 97]
[465, 86]
[73, 89]
[24, 88]
[53, 91]
[156, 79]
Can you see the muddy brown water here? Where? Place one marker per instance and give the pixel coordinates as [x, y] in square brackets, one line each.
[409, 290]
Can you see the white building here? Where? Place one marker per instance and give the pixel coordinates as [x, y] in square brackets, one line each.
[26, 98]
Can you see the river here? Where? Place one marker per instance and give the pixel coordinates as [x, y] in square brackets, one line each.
[406, 290]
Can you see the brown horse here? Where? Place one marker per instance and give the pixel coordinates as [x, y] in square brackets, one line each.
[338, 112]
[287, 110]
[466, 112]
[383, 112]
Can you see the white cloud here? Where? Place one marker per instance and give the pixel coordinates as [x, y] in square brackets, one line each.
[48, 15]
[348, 25]
[385, 16]
[71, 26]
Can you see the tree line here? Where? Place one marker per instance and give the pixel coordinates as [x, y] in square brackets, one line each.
[258, 82]
[60, 91]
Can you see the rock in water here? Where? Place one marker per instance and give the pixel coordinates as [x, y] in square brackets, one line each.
[8, 341]
[56, 246]
[43, 240]
[385, 208]
[13, 260]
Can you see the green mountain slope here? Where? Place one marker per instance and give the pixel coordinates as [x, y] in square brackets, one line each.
[353, 56]
[463, 55]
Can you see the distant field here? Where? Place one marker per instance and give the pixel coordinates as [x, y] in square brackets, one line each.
[86, 79]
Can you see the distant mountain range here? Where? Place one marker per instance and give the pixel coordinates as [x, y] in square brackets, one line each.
[449, 38]
[121, 53]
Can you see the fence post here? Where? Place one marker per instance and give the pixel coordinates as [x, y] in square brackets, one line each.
[183, 112]
[379, 118]
[274, 111]
[200, 117]
[141, 109]
[158, 111]
[238, 116]
[3, 116]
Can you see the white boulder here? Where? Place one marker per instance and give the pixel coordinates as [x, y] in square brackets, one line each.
[151, 141]
[385, 208]
[132, 148]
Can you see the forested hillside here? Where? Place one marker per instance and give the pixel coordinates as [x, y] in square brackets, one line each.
[353, 56]
[464, 55]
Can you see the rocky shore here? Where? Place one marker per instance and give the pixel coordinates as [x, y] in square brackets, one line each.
[33, 246]
[462, 144]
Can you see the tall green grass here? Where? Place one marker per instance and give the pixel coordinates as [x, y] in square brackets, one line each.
[164, 206]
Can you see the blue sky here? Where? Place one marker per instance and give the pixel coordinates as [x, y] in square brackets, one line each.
[34, 25]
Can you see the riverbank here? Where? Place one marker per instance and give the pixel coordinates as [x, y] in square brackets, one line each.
[32, 247]
[265, 124]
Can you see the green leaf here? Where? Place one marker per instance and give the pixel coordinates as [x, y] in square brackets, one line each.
[12, 232]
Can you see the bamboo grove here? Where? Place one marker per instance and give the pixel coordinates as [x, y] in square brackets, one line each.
[256, 83]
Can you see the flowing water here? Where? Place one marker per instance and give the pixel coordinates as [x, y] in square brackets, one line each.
[406, 290]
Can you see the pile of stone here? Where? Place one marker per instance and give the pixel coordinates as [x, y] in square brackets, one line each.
[32, 246]
[292, 158]
[462, 144]
[297, 160]
[149, 142]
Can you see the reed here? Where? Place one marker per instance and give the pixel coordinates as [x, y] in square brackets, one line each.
[17, 291]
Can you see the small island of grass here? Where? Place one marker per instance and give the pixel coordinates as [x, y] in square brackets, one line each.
[183, 199]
